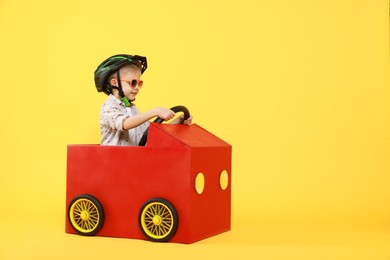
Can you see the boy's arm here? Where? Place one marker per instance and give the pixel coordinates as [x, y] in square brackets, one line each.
[141, 118]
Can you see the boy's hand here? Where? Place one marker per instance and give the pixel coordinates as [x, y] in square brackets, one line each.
[179, 120]
[164, 113]
[187, 121]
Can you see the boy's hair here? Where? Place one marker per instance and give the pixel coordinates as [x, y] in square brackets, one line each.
[123, 70]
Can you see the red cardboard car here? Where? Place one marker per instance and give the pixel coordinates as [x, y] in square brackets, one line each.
[176, 188]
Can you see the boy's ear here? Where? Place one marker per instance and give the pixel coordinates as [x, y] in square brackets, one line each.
[113, 82]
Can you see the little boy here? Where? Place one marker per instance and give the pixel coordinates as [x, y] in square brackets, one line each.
[121, 123]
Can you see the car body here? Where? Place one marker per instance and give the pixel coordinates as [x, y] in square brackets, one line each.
[184, 171]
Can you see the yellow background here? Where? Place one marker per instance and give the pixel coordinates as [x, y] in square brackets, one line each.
[300, 89]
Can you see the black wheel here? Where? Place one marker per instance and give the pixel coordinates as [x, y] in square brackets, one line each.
[175, 109]
[86, 215]
[158, 220]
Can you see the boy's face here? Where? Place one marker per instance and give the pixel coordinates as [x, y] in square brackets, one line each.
[131, 82]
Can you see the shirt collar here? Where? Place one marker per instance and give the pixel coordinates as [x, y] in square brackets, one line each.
[112, 98]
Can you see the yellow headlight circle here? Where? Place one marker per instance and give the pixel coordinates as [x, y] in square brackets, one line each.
[199, 183]
[224, 180]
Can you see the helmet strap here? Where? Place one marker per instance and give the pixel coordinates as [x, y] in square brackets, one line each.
[124, 99]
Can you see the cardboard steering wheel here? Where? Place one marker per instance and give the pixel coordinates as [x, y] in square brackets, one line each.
[175, 109]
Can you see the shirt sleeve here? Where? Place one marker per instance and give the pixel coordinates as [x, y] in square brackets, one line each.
[112, 117]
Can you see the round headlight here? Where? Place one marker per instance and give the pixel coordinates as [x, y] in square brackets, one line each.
[199, 183]
[224, 180]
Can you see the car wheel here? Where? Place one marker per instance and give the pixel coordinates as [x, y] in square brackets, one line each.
[86, 215]
[158, 220]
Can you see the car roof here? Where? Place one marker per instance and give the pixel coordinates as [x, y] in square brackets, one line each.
[176, 135]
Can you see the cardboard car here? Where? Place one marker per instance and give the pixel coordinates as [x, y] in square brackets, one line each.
[176, 188]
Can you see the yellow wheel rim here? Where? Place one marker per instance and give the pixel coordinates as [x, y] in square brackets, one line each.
[84, 215]
[157, 220]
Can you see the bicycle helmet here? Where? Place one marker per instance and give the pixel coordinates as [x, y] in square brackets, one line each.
[113, 64]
